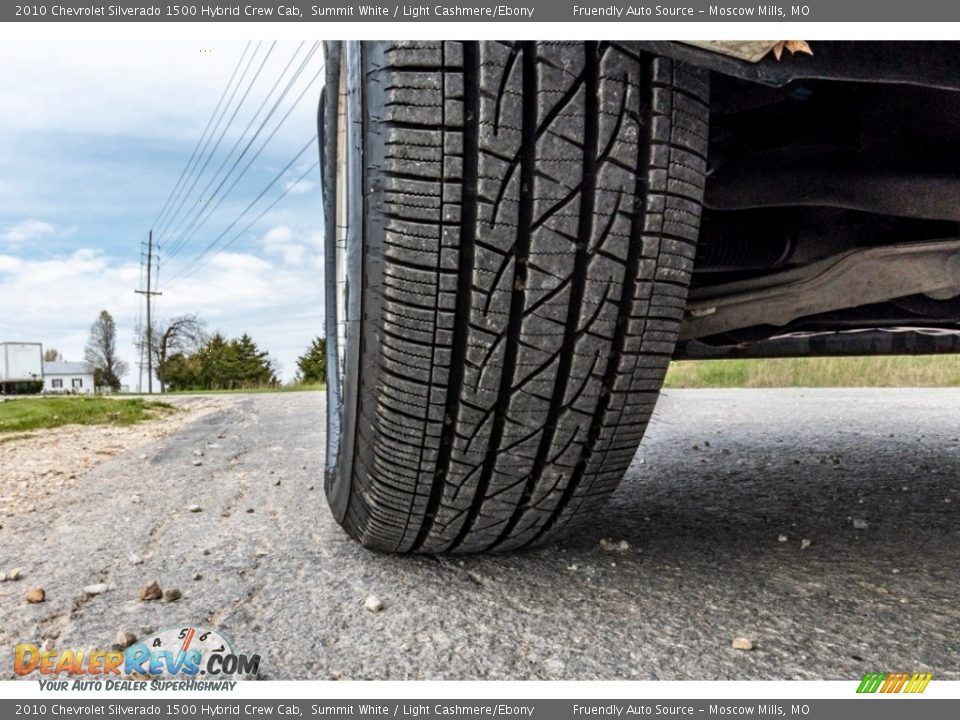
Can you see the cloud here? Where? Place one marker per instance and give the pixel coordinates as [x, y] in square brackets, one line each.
[87, 184]
[9, 264]
[26, 231]
[279, 234]
[299, 187]
[107, 86]
[238, 261]
[281, 241]
[57, 298]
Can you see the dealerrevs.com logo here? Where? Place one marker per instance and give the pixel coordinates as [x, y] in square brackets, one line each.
[178, 658]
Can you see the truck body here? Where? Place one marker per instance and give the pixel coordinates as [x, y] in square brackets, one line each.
[20, 362]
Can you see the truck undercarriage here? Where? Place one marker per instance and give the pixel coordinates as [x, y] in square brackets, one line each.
[831, 221]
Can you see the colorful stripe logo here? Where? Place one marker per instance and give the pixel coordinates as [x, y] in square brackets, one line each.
[894, 682]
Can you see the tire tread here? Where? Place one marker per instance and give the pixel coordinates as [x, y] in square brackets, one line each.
[540, 206]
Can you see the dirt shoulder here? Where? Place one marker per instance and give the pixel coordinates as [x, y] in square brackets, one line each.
[38, 465]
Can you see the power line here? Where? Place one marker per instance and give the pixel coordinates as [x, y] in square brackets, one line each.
[179, 220]
[186, 167]
[206, 211]
[184, 191]
[206, 143]
[249, 225]
[187, 271]
[233, 116]
[239, 177]
[193, 225]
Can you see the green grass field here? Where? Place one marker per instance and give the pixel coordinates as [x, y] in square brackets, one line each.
[49, 412]
[895, 371]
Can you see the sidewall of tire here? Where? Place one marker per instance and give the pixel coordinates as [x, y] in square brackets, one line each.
[342, 100]
[364, 268]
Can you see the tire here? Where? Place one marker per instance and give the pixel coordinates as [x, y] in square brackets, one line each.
[518, 227]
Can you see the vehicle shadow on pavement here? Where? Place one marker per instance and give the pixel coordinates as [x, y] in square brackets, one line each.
[810, 529]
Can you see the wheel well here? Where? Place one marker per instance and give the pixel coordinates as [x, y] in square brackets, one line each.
[813, 161]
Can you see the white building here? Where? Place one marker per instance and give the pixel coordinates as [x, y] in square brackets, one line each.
[72, 378]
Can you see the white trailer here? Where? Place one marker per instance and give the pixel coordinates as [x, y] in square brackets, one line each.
[20, 362]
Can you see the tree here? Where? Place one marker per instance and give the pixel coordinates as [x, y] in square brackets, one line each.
[254, 367]
[101, 353]
[181, 335]
[183, 372]
[52, 355]
[221, 364]
[312, 365]
[215, 361]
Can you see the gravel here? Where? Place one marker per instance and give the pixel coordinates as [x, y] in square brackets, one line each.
[39, 466]
[125, 639]
[373, 604]
[701, 568]
[150, 591]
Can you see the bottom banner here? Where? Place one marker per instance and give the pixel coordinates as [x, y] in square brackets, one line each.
[874, 707]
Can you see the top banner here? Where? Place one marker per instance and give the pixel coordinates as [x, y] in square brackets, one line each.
[482, 11]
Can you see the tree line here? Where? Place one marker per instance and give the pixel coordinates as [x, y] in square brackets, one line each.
[187, 357]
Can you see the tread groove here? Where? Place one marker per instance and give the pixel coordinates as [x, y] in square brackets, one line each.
[623, 316]
[528, 62]
[466, 252]
[578, 284]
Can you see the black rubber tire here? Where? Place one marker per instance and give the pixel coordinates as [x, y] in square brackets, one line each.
[529, 220]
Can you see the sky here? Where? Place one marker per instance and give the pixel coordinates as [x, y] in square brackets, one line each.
[93, 140]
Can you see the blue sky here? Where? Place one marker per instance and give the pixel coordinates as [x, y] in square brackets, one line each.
[93, 137]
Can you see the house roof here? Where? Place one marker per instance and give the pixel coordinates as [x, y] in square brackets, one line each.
[67, 368]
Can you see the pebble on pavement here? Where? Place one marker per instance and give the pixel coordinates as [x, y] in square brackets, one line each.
[151, 591]
[611, 546]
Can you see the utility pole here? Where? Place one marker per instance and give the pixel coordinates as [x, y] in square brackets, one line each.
[149, 293]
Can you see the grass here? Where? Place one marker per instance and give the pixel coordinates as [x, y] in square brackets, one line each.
[894, 371]
[300, 387]
[37, 413]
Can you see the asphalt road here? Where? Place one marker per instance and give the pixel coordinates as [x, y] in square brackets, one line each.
[721, 475]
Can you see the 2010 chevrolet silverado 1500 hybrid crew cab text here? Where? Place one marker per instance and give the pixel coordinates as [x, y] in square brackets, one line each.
[520, 236]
